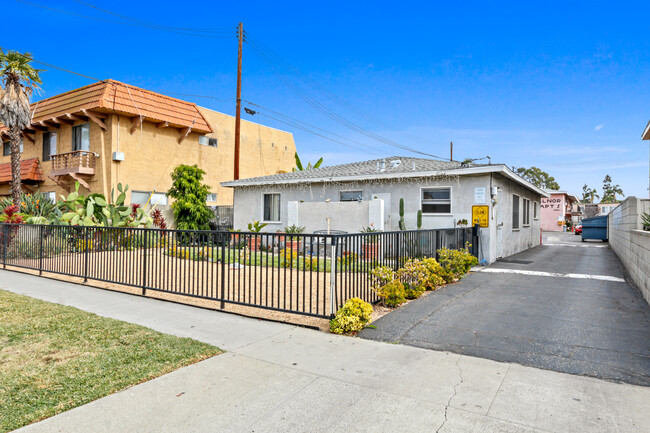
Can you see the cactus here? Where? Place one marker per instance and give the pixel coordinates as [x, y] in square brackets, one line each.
[402, 224]
[419, 219]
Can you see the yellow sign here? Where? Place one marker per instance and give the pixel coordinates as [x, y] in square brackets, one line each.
[481, 215]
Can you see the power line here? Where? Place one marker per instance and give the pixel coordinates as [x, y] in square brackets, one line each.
[323, 109]
[211, 30]
[314, 84]
[125, 23]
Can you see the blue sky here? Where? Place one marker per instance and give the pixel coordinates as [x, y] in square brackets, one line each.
[563, 87]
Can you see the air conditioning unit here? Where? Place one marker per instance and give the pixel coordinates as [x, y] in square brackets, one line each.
[118, 156]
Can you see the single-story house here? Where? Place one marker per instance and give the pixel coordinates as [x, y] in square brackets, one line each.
[349, 197]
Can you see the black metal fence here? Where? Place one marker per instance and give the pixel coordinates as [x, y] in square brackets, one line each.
[307, 274]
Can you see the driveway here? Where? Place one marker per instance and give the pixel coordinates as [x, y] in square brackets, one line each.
[562, 306]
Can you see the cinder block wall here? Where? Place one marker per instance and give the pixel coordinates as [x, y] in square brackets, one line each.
[630, 243]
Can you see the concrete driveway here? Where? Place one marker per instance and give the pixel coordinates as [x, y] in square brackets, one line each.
[563, 306]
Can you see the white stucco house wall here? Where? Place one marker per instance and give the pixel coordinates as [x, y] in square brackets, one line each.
[349, 197]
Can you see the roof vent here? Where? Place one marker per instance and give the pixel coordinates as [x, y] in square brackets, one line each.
[395, 163]
[413, 168]
[382, 165]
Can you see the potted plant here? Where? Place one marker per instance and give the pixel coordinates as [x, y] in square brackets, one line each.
[293, 242]
[370, 244]
[255, 241]
[462, 223]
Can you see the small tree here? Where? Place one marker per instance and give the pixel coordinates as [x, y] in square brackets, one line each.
[538, 177]
[589, 194]
[610, 191]
[189, 194]
[300, 167]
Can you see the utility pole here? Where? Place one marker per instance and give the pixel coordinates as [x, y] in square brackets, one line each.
[240, 36]
[451, 150]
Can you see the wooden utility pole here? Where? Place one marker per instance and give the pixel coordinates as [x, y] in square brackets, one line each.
[451, 150]
[240, 36]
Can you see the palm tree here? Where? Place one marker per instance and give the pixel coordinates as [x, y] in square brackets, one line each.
[616, 189]
[20, 79]
[588, 194]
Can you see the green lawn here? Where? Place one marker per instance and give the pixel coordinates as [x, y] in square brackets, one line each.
[54, 358]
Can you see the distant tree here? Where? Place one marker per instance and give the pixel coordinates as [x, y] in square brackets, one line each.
[538, 177]
[20, 79]
[588, 194]
[610, 191]
[190, 194]
[300, 167]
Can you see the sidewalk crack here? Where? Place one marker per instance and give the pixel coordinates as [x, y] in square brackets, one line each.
[460, 382]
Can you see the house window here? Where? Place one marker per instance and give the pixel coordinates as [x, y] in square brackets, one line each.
[142, 197]
[81, 137]
[6, 148]
[50, 196]
[526, 211]
[207, 141]
[436, 200]
[535, 210]
[271, 207]
[515, 211]
[211, 198]
[350, 195]
[49, 145]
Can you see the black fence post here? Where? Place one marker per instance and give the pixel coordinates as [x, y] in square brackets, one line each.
[475, 240]
[86, 248]
[5, 244]
[144, 262]
[223, 269]
[40, 252]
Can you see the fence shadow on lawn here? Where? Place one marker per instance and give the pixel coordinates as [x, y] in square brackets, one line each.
[269, 275]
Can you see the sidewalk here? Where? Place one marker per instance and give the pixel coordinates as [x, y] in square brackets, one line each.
[278, 377]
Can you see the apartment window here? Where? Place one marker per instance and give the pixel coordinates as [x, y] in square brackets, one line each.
[515, 211]
[436, 200]
[211, 198]
[142, 197]
[271, 207]
[81, 137]
[6, 148]
[350, 195]
[207, 141]
[526, 211]
[535, 210]
[49, 145]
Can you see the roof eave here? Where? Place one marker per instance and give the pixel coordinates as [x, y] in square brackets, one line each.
[646, 132]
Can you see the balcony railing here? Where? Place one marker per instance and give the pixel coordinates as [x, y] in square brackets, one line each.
[77, 162]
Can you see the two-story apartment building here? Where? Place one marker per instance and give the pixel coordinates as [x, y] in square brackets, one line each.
[110, 132]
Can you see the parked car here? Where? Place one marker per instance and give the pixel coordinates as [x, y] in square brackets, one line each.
[578, 229]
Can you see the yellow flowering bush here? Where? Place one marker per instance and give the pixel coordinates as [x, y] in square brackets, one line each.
[392, 294]
[382, 275]
[456, 263]
[435, 273]
[288, 257]
[351, 317]
[414, 276]
[83, 245]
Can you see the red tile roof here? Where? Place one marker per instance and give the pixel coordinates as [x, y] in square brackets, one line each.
[112, 96]
[30, 171]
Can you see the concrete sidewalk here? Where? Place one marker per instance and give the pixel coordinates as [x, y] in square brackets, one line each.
[278, 377]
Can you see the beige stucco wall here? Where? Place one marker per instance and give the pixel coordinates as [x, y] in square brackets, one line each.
[151, 153]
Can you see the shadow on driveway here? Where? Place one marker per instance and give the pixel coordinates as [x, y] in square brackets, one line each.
[572, 325]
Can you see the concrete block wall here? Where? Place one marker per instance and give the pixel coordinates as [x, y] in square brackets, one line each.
[630, 243]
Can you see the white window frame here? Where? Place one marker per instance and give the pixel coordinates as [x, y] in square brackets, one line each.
[535, 210]
[279, 220]
[51, 195]
[207, 140]
[518, 219]
[526, 213]
[451, 201]
[207, 199]
[360, 191]
[151, 198]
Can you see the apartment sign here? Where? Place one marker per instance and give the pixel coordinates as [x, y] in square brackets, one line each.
[481, 216]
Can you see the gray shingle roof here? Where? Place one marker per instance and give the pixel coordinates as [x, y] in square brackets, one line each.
[384, 167]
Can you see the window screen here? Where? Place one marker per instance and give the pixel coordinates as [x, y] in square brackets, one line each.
[350, 195]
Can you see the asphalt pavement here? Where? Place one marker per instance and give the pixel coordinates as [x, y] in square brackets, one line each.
[563, 306]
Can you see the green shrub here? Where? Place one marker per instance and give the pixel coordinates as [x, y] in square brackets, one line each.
[413, 291]
[189, 194]
[382, 275]
[435, 273]
[351, 317]
[456, 263]
[392, 294]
